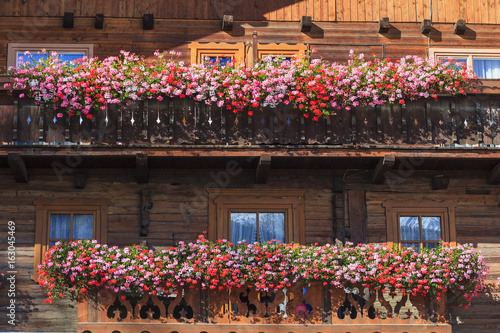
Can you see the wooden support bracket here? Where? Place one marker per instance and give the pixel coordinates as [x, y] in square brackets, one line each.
[141, 163]
[385, 164]
[494, 175]
[146, 206]
[79, 180]
[18, 168]
[460, 27]
[305, 24]
[263, 169]
[425, 26]
[384, 26]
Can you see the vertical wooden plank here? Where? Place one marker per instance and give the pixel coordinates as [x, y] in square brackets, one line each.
[288, 125]
[366, 122]
[340, 127]
[383, 9]
[415, 122]
[469, 10]
[332, 10]
[316, 10]
[132, 123]
[412, 11]
[405, 11]
[315, 131]
[263, 126]
[466, 121]
[209, 125]
[491, 12]
[236, 127]
[353, 11]
[80, 130]
[55, 127]
[339, 10]
[376, 10]
[184, 121]
[426, 10]
[6, 119]
[28, 117]
[106, 129]
[7, 8]
[368, 9]
[357, 216]
[158, 122]
[440, 115]
[390, 127]
[484, 12]
[497, 9]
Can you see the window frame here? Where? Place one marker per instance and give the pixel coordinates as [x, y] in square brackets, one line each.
[14, 48]
[470, 54]
[223, 201]
[264, 50]
[201, 50]
[45, 207]
[395, 209]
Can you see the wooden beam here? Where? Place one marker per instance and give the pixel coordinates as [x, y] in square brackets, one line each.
[385, 164]
[18, 168]
[263, 169]
[142, 173]
[384, 26]
[494, 175]
[357, 216]
[460, 27]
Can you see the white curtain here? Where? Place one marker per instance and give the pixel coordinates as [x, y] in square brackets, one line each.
[244, 227]
[83, 226]
[487, 68]
[271, 226]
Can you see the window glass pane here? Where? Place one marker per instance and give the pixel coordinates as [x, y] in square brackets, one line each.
[416, 246]
[271, 226]
[487, 68]
[212, 60]
[244, 227]
[83, 226]
[34, 57]
[430, 245]
[60, 225]
[431, 228]
[409, 228]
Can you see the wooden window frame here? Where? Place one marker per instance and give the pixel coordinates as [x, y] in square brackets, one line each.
[223, 201]
[46, 207]
[13, 48]
[201, 50]
[264, 50]
[445, 210]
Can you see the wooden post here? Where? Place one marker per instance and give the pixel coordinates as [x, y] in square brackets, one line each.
[263, 167]
[255, 47]
[385, 164]
[357, 216]
[142, 174]
[18, 168]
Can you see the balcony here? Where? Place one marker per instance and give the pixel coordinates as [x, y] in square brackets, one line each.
[450, 121]
[300, 308]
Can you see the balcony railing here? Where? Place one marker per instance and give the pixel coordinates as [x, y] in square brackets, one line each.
[300, 308]
[472, 120]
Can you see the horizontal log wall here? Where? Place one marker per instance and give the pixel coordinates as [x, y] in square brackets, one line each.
[332, 40]
[473, 11]
[477, 217]
[179, 212]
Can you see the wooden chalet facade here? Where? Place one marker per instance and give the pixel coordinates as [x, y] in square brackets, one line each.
[159, 172]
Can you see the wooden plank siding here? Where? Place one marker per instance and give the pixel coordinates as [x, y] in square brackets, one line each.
[332, 40]
[174, 191]
[443, 11]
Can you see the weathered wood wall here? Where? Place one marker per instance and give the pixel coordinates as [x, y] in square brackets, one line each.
[477, 217]
[473, 11]
[180, 212]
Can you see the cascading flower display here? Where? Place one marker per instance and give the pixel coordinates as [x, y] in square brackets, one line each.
[315, 87]
[80, 265]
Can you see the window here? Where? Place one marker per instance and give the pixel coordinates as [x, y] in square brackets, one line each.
[210, 53]
[484, 62]
[420, 224]
[66, 52]
[68, 219]
[285, 50]
[256, 215]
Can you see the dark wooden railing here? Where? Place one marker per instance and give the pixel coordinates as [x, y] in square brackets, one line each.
[465, 120]
[300, 308]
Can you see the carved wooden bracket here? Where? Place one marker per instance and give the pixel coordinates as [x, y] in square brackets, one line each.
[18, 168]
[263, 168]
[385, 164]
